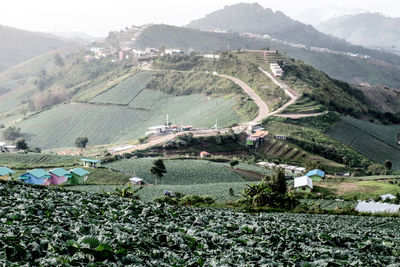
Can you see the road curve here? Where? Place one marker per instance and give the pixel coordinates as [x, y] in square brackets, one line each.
[263, 109]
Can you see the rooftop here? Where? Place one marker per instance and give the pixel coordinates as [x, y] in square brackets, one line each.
[316, 172]
[5, 171]
[80, 172]
[303, 181]
[39, 173]
[60, 172]
[91, 160]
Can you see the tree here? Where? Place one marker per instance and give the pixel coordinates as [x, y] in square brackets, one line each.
[58, 60]
[12, 133]
[277, 182]
[158, 169]
[388, 165]
[81, 142]
[234, 162]
[21, 144]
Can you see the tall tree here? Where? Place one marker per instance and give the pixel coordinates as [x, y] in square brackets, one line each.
[21, 144]
[158, 169]
[81, 142]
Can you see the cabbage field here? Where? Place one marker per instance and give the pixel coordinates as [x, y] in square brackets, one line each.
[179, 172]
[51, 227]
[36, 160]
[375, 141]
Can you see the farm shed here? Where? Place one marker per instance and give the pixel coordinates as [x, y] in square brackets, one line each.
[7, 148]
[387, 196]
[78, 176]
[205, 154]
[91, 163]
[36, 176]
[316, 175]
[374, 207]
[59, 176]
[5, 173]
[303, 184]
[136, 180]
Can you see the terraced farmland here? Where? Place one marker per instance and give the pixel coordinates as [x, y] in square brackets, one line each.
[377, 142]
[179, 172]
[51, 227]
[126, 91]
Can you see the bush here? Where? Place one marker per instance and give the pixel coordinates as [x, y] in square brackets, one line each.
[12, 133]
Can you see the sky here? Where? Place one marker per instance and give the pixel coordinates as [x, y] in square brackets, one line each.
[98, 17]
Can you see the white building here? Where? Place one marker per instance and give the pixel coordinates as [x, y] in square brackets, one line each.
[374, 207]
[276, 69]
[212, 56]
[172, 51]
[303, 182]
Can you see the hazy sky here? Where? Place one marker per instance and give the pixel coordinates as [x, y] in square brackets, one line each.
[98, 17]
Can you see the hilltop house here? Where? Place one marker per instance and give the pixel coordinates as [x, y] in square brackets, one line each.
[303, 184]
[58, 176]
[316, 175]
[78, 176]
[91, 163]
[36, 176]
[5, 173]
[257, 138]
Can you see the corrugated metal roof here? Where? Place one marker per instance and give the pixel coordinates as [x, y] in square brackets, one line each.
[60, 172]
[39, 173]
[5, 171]
[303, 181]
[80, 172]
[316, 172]
[374, 207]
[135, 179]
[91, 160]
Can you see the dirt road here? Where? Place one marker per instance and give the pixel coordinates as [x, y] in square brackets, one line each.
[263, 109]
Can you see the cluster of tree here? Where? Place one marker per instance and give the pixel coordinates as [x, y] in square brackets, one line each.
[47, 99]
[272, 193]
[12, 133]
[81, 142]
[43, 80]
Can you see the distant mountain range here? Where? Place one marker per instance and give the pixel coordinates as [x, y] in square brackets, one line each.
[17, 45]
[367, 29]
[253, 18]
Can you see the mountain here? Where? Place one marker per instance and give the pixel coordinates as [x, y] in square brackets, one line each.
[367, 29]
[350, 69]
[253, 18]
[18, 45]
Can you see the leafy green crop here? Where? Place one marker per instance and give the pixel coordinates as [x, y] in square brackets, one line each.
[50, 227]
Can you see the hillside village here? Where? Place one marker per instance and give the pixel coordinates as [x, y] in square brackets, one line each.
[127, 151]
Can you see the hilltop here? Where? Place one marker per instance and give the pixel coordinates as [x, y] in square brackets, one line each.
[17, 45]
[352, 69]
[367, 29]
[253, 18]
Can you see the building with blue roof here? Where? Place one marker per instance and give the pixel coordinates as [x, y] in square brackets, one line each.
[78, 176]
[36, 176]
[5, 173]
[316, 175]
[91, 163]
[59, 176]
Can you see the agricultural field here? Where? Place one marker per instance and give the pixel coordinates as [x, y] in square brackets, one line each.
[377, 142]
[105, 124]
[304, 106]
[35, 160]
[44, 226]
[126, 91]
[179, 172]
[218, 191]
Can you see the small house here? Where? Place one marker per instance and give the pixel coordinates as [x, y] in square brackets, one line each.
[59, 176]
[187, 128]
[205, 154]
[36, 176]
[316, 175]
[136, 181]
[78, 176]
[91, 163]
[5, 173]
[260, 135]
[299, 171]
[303, 184]
[280, 137]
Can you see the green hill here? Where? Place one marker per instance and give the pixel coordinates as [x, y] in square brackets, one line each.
[253, 18]
[367, 29]
[17, 45]
[350, 69]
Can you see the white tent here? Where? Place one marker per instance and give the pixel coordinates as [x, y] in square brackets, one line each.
[303, 181]
[374, 207]
[387, 196]
[136, 180]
